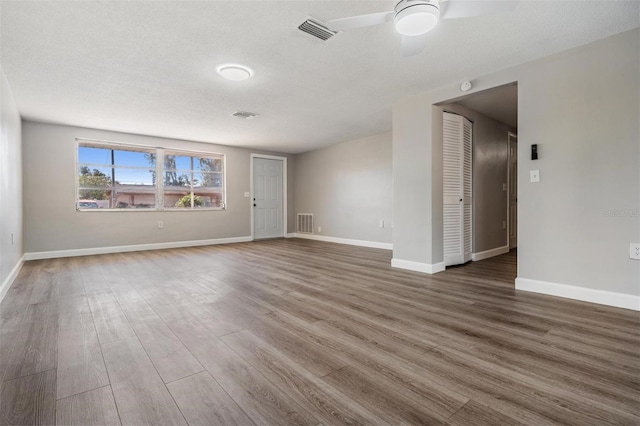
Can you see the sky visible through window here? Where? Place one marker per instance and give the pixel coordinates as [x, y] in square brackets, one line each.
[100, 158]
[137, 167]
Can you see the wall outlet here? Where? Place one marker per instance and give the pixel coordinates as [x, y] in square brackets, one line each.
[319, 229]
[160, 225]
[634, 251]
[504, 186]
[534, 175]
[382, 223]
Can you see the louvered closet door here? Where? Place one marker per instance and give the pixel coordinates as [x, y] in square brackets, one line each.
[457, 187]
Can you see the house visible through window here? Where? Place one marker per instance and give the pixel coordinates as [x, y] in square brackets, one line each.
[114, 176]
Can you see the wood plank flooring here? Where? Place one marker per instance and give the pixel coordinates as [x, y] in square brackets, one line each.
[308, 333]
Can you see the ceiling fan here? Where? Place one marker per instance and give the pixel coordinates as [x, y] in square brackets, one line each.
[413, 19]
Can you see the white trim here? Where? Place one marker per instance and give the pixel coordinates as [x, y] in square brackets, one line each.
[490, 253]
[6, 284]
[290, 235]
[426, 268]
[284, 190]
[160, 175]
[142, 145]
[138, 247]
[361, 243]
[602, 297]
[509, 136]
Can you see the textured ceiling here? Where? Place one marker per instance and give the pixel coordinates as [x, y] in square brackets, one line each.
[500, 103]
[148, 67]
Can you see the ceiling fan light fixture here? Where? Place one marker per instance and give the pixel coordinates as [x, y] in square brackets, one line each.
[417, 19]
[235, 72]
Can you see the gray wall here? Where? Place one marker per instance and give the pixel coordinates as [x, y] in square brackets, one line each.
[10, 182]
[581, 107]
[348, 188]
[490, 167]
[52, 222]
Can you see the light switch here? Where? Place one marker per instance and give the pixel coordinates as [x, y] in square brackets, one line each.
[504, 186]
[534, 175]
[247, 195]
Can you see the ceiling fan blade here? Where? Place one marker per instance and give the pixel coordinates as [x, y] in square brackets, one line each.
[411, 46]
[467, 8]
[360, 21]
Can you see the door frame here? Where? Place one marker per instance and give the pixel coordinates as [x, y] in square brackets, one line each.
[284, 190]
[509, 136]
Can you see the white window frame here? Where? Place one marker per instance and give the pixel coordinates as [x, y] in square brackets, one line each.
[193, 154]
[159, 190]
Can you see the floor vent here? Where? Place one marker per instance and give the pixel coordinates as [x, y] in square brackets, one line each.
[316, 29]
[305, 223]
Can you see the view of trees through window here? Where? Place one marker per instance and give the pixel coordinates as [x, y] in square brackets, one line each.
[192, 181]
[93, 184]
[125, 177]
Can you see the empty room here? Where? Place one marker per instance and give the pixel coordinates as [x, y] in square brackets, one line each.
[320, 212]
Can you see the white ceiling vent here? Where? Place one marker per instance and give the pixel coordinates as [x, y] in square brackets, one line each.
[245, 114]
[316, 29]
[305, 223]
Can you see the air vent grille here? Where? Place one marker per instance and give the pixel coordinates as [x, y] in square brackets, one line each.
[305, 223]
[316, 29]
[244, 114]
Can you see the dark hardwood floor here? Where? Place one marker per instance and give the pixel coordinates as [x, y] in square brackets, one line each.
[305, 332]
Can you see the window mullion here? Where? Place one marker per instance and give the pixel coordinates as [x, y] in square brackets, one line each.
[159, 179]
[191, 183]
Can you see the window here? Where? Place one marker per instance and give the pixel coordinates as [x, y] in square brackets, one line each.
[115, 176]
[192, 181]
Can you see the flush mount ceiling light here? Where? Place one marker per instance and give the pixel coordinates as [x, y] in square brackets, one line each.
[235, 72]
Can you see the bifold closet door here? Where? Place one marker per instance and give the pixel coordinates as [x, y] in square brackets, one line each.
[457, 188]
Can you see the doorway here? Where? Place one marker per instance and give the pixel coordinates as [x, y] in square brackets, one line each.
[268, 196]
[494, 174]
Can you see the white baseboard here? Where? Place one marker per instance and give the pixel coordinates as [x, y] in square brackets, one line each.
[138, 247]
[426, 268]
[602, 297]
[361, 243]
[6, 284]
[290, 235]
[481, 255]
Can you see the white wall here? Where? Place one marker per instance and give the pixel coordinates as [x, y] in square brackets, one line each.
[582, 109]
[10, 187]
[490, 168]
[53, 224]
[348, 188]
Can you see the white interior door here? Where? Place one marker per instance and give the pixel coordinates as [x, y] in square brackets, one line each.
[513, 190]
[267, 198]
[457, 188]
